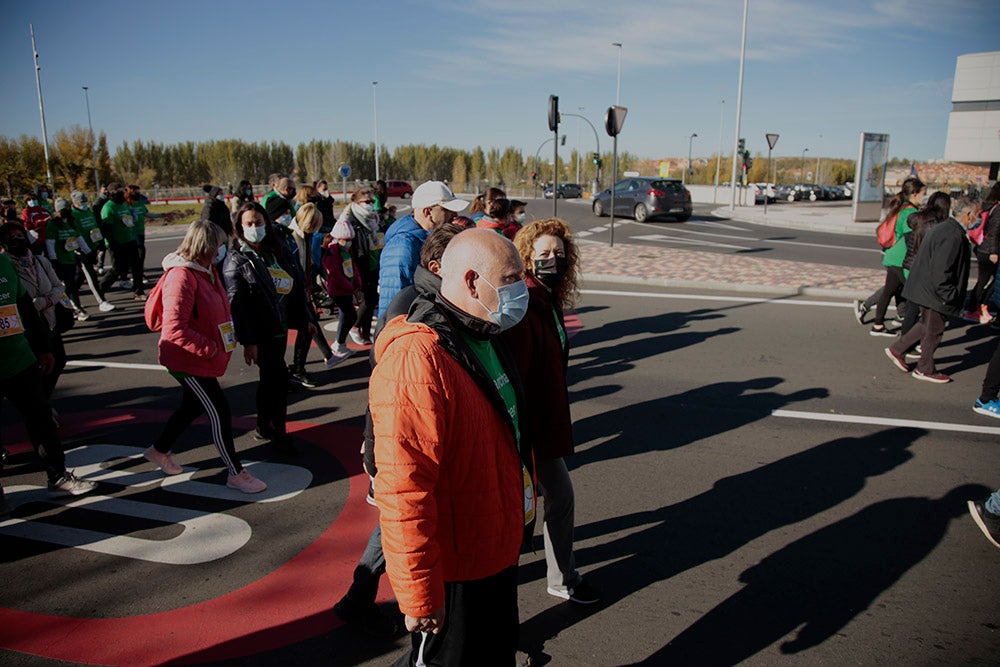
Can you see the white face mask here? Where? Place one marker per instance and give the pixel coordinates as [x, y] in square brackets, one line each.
[221, 253]
[32, 202]
[362, 211]
[512, 303]
[221, 198]
[520, 218]
[254, 234]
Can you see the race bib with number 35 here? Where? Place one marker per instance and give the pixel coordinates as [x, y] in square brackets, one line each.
[10, 321]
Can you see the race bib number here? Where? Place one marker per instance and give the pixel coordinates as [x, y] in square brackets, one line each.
[529, 497]
[379, 241]
[95, 235]
[228, 335]
[127, 220]
[282, 281]
[72, 244]
[10, 322]
[349, 268]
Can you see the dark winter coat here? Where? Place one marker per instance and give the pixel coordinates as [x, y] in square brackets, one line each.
[940, 273]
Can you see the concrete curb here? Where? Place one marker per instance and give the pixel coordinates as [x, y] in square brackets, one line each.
[755, 218]
[740, 288]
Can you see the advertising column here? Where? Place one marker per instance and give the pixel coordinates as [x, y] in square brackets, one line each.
[869, 177]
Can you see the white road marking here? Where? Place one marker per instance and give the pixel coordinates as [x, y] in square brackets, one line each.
[116, 364]
[663, 238]
[821, 245]
[206, 537]
[704, 297]
[719, 225]
[886, 421]
[673, 228]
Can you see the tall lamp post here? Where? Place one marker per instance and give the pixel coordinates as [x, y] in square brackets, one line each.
[375, 120]
[93, 144]
[816, 175]
[41, 106]
[739, 104]
[597, 140]
[803, 174]
[618, 93]
[689, 171]
[718, 161]
[578, 128]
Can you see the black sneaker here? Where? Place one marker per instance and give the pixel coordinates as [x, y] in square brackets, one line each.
[582, 593]
[303, 379]
[371, 494]
[366, 617]
[987, 521]
[883, 331]
[860, 310]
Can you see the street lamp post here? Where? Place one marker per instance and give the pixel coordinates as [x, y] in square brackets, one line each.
[803, 174]
[618, 93]
[375, 119]
[718, 161]
[578, 127]
[816, 175]
[739, 104]
[41, 106]
[689, 171]
[597, 141]
[93, 144]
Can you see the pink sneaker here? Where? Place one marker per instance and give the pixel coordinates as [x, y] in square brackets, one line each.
[164, 462]
[245, 482]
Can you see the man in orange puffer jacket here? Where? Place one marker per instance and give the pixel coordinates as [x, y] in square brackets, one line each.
[454, 481]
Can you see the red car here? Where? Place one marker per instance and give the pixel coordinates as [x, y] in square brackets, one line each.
[399, 189]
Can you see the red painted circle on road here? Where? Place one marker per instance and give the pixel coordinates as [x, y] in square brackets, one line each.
[291, 604]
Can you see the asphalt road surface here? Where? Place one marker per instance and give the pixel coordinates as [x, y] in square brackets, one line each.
[755, 483]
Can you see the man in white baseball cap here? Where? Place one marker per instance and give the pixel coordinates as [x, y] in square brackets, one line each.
[433, 205]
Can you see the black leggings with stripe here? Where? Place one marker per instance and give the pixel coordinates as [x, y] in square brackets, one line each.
[202, 396]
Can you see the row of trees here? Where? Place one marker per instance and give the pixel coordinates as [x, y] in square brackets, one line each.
[227, 161]
[783, 170]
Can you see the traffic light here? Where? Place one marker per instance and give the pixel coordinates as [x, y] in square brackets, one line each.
[742, 146]
[747, 160]
[597, 159]
[534, 175]
[599, 163]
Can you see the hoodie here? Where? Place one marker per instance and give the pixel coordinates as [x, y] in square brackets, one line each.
[196, 320]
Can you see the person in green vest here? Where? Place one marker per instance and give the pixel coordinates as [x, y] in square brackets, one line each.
[86, 222]
[25, 358]
[64, 245]
[45, 198]
[136, 202]
[118, 227]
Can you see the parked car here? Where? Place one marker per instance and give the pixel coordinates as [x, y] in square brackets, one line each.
[566, 191]
[762, 191]
[399, 189]
[804, 191]
[646, 197]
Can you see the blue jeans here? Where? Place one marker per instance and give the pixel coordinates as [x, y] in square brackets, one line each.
[368, 571]
[993, 503]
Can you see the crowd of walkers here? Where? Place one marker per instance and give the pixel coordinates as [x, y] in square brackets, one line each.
[928, 263]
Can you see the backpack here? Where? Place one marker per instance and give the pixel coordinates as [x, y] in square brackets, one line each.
[154, 305]
[977, 234]
[886, 232]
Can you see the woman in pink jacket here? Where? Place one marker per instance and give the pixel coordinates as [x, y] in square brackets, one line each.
[196, 340]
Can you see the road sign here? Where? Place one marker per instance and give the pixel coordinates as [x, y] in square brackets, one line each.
[345, 171]
[614, 119]
[772, 139]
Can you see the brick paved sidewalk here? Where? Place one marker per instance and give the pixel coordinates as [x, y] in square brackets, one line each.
[684, 268]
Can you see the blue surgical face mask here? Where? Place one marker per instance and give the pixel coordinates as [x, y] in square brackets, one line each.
[220, 254]
[254, 234]
[512, 304]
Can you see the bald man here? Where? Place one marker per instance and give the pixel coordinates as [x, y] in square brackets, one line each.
[454, 481]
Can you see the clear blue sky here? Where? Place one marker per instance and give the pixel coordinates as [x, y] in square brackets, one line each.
[480, 71]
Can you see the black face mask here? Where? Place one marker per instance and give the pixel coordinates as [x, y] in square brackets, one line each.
[17, 246]
[118, 198]
[550, 271]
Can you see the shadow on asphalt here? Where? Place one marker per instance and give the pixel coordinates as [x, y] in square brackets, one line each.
[820, 582]
[823, 580]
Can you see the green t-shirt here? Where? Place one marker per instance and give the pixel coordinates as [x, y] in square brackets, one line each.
[15, 353]
[47, 205]
[139, 212]
[66, 237]
[118, 217]
[895, 255]
[487, 356]
[86, 222]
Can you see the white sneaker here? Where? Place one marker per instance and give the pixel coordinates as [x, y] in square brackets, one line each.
[357, 337]
[82, 315]
[106, 307]
[69, 485]
[245, 482]
[337, 358]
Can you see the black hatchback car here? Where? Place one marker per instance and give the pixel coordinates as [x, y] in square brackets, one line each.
[566, 191]
[645, 198]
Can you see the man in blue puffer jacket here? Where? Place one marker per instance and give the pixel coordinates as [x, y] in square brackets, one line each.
[433, 205]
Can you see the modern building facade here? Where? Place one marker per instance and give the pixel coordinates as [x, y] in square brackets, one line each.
[974, 121]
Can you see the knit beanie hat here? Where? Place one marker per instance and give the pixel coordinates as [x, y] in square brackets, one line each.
[61, 203]
[342, 230]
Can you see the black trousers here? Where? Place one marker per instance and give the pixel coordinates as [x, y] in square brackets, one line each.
[59, 354]
[983, 291]
[927, 332]
[25, 391]
[126, 261]
[894, 281]
[301, 350]
[369, 304]
[991, 383]
[272, 389]
[202, 396]
[480, 625]
[67, 274]
[348, 317]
